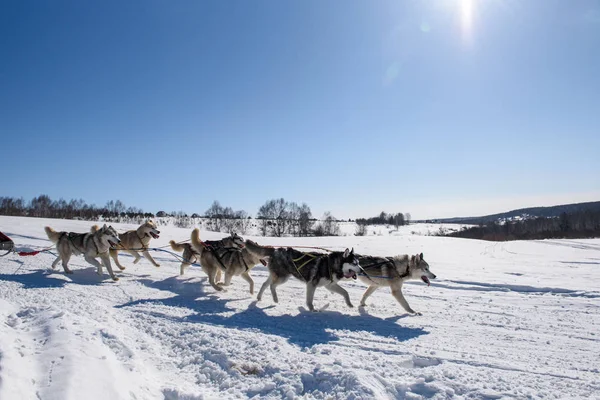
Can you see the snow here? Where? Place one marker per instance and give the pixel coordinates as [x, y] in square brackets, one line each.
[502, 320]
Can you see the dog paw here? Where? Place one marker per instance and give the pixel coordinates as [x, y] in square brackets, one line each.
[68, 272]
[157, 265]
[362, 305]
[115, 278]
[121, 268]
[137, 260]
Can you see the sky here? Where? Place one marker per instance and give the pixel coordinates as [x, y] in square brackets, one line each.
[436, 108]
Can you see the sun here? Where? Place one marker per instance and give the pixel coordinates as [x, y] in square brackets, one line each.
[466, 19]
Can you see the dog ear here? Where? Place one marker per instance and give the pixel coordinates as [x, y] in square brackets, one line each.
[352, 251]
[104, 227]
[421, 256]
[346, 253]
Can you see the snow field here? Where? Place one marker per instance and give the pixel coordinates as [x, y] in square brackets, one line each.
[502, 320]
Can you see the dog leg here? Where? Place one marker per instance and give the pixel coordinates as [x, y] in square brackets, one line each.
[274, 283]
[149, 258]
[397, 293]
[335, 288]
[65, 261]
[310, 294]
[95, 263]
[55, 263]
[211, 279]
[246, 276]
[115, 256]
[136, 255]
[106, 261]
[182, 267]
[368, 292]
[218, 275]
[228, 276]
[263, 287]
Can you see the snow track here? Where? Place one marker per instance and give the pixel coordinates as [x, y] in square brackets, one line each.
[509, 320]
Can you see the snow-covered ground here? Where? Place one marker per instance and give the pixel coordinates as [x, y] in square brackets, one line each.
[503, 320]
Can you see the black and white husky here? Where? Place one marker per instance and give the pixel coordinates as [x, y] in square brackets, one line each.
[316, 269]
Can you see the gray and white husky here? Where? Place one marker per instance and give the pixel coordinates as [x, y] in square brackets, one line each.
[393, 272]
[316, 269]
[91, 245]
[236, 262]
[209, 254]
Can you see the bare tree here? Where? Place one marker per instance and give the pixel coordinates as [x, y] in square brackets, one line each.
[242, 221]
[328, 226]
[305, 221]
[40, 206]
[274, 217]
[215, 216]
[361, 230]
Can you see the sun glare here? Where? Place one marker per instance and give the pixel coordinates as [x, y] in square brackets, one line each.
[466, 20]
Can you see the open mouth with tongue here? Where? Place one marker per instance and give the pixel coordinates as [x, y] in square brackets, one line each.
[425, 279]
[154, 235]
[350, 274]
[112, 244]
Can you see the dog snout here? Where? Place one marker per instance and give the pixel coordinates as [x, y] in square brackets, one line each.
[432, 276]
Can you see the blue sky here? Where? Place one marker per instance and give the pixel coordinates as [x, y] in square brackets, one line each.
[437, 108]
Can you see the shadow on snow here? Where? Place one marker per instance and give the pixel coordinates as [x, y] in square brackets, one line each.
[46, 278]
[303, 329]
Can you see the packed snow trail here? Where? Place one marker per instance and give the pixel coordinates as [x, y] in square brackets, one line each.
[503, 320]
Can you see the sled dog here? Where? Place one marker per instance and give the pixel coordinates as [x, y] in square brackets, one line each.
[239, 262]
[91, 245]
[393, 272]
[134, 240]
[316, 269]
[209, 254]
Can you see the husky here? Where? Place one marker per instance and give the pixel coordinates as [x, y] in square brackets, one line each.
[239, 262]
[91, 245]
[209, 254]
[134, 240]
[316, 269]
[393, 272]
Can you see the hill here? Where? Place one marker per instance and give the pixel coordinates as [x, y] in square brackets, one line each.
[525, 213]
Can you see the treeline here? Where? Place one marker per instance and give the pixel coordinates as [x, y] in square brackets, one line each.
[276, 217]
[383, 218]
[577, 225]
[44, 207]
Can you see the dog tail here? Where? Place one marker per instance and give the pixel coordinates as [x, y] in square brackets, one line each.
[52, 234]
[94, 228]
[197, 244]
[177, 246]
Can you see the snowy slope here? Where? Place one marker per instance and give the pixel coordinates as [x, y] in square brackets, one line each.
[503, 320]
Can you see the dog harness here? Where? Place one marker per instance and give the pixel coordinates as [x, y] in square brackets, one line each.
[388, 260]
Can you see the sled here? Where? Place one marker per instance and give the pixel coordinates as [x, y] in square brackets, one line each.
[6, 244]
